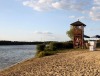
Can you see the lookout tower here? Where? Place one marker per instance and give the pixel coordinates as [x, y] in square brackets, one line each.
[78, 32]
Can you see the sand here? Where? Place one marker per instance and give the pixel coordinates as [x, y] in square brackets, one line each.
[72, 63]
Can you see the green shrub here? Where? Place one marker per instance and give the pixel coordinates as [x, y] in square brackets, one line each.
[45, 53]
[60, 45]
[52, 48]
[40, 47]
[68, 45]
[40, 54]
[47, 48]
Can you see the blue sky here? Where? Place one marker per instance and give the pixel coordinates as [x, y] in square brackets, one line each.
[43, 20]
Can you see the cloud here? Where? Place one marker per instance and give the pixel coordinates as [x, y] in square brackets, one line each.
[37, 32]
[70, 5]
[39, 5]
[95, 11]
[97, 2]
[72, 17]
[90, 7]
[45, 5]
[49, 36]
[80, 18]
[48, 33]
[45, 36]
[43, 33]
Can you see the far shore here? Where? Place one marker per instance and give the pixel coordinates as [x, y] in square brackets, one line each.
[20, 43]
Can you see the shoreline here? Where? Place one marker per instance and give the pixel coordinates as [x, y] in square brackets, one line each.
[71, 63]
[11, 55]
[16, 64]
[35, 61]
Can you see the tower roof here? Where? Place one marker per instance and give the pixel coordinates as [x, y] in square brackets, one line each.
[78, 23]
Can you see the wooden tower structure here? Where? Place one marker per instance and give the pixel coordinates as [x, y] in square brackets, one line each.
[78, 32]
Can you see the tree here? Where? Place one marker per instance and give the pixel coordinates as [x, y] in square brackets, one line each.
[70, 33]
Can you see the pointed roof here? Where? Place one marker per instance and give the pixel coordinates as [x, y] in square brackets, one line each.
[78, 23]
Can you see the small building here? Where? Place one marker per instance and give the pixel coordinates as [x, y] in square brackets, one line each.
[92, 46]
[78, 32]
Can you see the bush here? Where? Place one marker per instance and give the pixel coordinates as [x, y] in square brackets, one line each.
[40, 54]
[60, 45]
[45, 53]
[40, 47]
[68, 45]
[47, 48]
[52, 48]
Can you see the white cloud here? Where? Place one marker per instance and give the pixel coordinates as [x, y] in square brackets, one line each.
[39, 5]
[49, 36]
[56, 5]
[91, 7]
[95, 11]
[44, 32]
[97, 2]
[47, 33]
[70, 5]
[37, 32]
[46, 36]
[45, 5]
[71, 17]
[80, 18]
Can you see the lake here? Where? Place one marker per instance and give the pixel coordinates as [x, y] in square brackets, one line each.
[10, 55]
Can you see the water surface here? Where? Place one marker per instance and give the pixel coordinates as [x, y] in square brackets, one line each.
[10, 55]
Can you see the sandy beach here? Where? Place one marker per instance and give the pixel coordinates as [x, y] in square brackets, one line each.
[71, 63]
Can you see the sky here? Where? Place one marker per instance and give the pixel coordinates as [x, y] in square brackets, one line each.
[46, 20]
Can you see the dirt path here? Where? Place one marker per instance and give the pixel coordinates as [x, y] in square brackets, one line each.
[72, 63]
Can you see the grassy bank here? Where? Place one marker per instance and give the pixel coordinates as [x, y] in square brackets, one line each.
[53, 48]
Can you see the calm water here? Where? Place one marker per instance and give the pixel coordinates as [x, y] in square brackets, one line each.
[10, 55]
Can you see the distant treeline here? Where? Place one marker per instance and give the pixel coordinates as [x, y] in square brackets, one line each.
[19, 43]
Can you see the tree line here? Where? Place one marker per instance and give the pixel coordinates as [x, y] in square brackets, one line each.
[19, 43]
